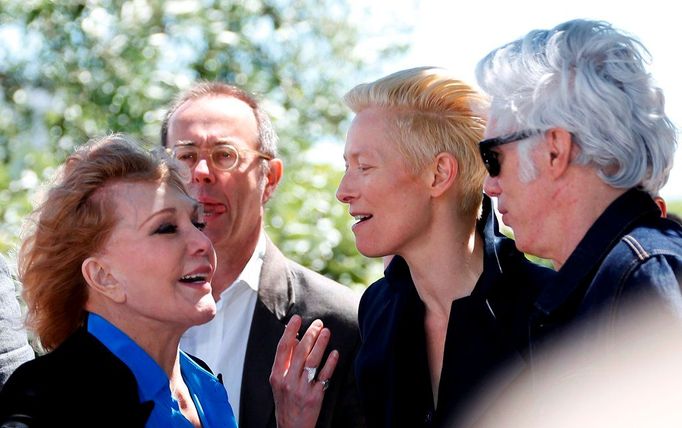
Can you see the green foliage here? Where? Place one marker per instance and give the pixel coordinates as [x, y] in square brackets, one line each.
[675, 207]
[74, 70]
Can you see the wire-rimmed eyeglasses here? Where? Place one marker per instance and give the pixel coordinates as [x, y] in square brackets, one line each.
[223, 156]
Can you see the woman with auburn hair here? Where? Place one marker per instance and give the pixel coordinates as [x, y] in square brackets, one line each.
[114, 271]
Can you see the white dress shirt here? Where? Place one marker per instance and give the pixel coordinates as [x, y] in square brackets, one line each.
[221, 342]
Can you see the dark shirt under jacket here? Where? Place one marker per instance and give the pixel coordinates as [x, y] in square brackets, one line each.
[629, 255]
[484, 330]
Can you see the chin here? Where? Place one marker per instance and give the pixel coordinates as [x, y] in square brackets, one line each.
[526, 247]
[369, 251]
[206, 310]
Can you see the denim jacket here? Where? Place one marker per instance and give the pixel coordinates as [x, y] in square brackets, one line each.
[630, 255]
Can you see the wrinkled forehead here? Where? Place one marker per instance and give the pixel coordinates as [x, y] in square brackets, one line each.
[135, 201]
[210, 118]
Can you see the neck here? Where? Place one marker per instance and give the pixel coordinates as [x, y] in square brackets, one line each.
[231, 261]
[175, 378]
[577, 210]
[157, 338]
[447, 266]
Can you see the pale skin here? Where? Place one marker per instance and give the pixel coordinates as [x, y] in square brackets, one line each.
[552, 213]
[442, 249]
[439, 277]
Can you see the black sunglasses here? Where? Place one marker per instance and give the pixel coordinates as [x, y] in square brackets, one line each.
[492, 164]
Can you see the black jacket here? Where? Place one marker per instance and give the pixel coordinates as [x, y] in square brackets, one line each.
[287, 288]
[79, 384]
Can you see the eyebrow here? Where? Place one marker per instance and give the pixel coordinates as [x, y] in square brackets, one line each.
[165, 211]
[197, 209]
[219, 140]
[185, 143]
[370, 155]
[225, 140]
[352, 154]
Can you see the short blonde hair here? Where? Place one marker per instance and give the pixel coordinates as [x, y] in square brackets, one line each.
[432, 113]
[73, 223]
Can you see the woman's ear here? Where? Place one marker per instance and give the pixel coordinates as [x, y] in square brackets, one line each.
[444, 173]
[101, 280]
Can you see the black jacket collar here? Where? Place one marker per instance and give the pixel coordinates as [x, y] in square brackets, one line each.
[398, 272]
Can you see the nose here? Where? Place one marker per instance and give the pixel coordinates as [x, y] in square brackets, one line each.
[345, 193]
[491, 186]
[202, 172]
[200, 244]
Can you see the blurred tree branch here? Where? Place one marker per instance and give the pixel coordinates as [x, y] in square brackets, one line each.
[70, 71]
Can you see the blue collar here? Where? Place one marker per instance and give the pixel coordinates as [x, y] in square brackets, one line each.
[151, 379]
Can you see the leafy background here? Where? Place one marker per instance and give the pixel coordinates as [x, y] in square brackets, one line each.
[78, 69]
[74, 70]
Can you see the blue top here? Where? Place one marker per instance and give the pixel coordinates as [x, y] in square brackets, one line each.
[208, 394]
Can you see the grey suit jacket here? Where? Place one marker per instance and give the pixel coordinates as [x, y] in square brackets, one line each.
[287, 288]
[14, 347]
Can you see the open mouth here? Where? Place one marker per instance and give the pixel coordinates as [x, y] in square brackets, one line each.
[194, 279]
[361, 217]
[213, 210]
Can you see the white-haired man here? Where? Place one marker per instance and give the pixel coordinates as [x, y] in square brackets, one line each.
[577, 144]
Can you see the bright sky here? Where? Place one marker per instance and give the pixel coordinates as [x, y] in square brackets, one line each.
[457, 34]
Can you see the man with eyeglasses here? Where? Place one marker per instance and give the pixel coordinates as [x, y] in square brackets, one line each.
[229, 146]
[578, 144]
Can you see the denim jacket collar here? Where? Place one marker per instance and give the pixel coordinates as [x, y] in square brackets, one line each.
[576, 274]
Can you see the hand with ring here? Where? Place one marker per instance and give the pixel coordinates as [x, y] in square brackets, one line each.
[298, 383]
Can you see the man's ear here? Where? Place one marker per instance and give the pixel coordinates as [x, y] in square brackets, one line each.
[101, 281]
[274, 175]
[443, 173]
[560, 144]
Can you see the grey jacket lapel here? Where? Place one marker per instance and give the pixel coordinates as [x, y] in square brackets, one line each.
[275, 297]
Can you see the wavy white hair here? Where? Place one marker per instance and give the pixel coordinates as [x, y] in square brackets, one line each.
[590, 79]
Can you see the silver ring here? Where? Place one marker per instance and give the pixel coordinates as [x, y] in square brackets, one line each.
[311, 371]
[325, 384]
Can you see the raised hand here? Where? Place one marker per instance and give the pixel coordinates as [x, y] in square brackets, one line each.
[297, 385]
